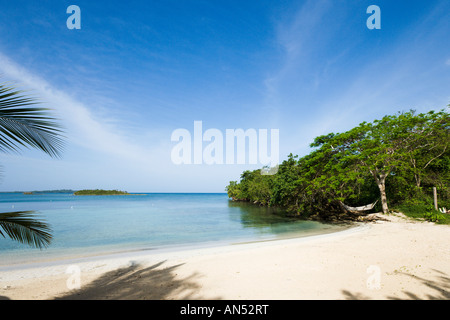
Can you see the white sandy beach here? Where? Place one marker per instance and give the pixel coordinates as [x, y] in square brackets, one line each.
[396, 259]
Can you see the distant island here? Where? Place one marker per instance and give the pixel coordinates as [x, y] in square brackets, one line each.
[99, 192]
[46, 191]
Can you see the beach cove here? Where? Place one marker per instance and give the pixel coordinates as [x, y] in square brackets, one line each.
[108, 224]
[395, 259]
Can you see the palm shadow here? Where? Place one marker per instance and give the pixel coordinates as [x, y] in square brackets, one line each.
[138, 283]
[354, 296]
[440, 285]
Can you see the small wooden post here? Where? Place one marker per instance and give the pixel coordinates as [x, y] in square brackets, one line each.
[435, 198]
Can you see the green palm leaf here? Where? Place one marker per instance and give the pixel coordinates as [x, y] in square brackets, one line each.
[23, 125]
[22, 226]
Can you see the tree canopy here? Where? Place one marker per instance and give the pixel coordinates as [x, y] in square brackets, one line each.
[395, 159]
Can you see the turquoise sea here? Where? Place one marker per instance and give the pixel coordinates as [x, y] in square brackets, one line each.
[92, 225]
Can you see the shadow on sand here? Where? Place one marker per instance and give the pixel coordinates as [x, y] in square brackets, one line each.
[138, 283]
[440, 286]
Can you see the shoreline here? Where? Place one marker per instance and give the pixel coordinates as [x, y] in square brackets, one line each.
[406, 259]
[88, 254]
[172, 250]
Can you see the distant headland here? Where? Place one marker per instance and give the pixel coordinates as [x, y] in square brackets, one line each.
[47, 191]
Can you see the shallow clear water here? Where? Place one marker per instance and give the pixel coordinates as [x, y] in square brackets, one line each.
[84, 225]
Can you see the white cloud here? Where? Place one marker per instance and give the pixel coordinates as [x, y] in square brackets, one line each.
[112, 157]
[82, 126]
[312, 86]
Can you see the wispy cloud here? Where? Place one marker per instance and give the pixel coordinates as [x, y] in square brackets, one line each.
[82, 126]
[297, 39]
[112, 157]
[326, 83]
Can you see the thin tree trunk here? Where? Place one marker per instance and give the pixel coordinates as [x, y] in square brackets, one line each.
[381, 179]
[382, 187]
[416, 174]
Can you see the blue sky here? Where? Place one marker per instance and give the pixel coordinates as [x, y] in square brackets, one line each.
[138, 70]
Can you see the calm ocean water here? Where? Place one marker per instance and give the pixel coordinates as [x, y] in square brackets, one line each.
[83, 225]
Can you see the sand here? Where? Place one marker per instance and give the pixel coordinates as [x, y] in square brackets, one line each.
[395, 259]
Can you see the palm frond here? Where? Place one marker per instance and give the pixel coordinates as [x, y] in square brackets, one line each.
[24, 125]
[23, 226]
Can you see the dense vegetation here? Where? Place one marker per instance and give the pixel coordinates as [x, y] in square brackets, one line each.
[99, 192]
[398, 160]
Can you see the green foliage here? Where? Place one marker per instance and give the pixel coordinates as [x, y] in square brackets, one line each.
[397, 159]
[22, 226]
[422, 207]
[22, 124]
[254, 187]
[434, 216]
[99, 192]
